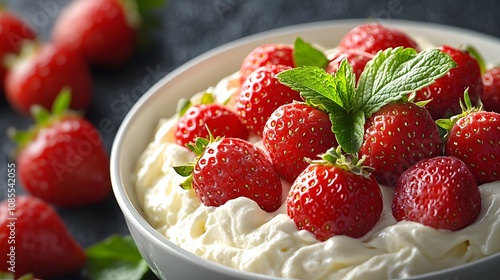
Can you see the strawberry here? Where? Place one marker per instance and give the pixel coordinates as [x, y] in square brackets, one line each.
[62, 159]
[35, 238]
[357, 59]
[374, 37]
[398, 136]
[439, 192]
[41, 72]
[447, 91]
[261, 93]
[491, 90]
[267, 54]
[228, 168]
[13, 32]
[103, 31]
[474, 137]
[335, 197]
[195, 120]
[294, 133]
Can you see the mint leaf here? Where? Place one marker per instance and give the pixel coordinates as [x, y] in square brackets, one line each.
[345, 80]
[305, 54]
[395, 73]
[314, 84]
[116, 257]
[390, 76]
[348, 128]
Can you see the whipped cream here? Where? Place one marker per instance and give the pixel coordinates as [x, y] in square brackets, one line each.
[239, 234]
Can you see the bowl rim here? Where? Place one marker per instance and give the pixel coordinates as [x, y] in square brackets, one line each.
[136, 219]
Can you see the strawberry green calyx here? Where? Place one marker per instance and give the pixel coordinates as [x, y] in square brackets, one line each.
[467, 108]
[472, 51]
[185, 103]
[391, 75]
[352, 163]
[198, 147]
[42, 118]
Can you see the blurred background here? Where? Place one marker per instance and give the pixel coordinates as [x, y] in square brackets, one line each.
[188, 28]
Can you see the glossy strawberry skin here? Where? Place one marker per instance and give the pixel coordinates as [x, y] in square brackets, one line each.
[43, 244]
[446, 92]
[357, 59]
[296, 132]
[439, 192]
[221, 121]
[491, 90]
[374, 37]
[98, 29]
[13, 32]
[231, 168]
[266, 54]
[396, 137]
[260, 95]
[66, 164]
[327, 200]
[40, 77]
[475, 139]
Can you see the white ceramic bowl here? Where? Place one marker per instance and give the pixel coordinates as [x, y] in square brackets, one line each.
[171, 262]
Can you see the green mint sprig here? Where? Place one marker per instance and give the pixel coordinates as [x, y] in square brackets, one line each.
[305, 54]
[391, 75]
[116, 257]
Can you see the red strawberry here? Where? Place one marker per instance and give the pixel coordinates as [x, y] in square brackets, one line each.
[103, 31]
[474, 138]
[219, 120]
[491, 93]
[357, 59]
[331, 198]
[63, 160]
[267, 54]
[260, 95]
[13, 32]
[374, 37]
[439, 192]
[396, 137]
[446, 92]
[42, 72]
[229, 168]
[296, 132]
[35, 238]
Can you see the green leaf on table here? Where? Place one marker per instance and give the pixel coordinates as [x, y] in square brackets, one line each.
[116, 257]
[305, 54]
[389, 77]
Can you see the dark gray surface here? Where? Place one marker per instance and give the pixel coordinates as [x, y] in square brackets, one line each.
[192, 27]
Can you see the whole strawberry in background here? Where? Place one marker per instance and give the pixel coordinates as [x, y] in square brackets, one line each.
[375, 37]
[491, 93]
[398, 136]
[335, 197]
[266, 54]
[261, 93]
[62, 159]
[103, 31]
[294, 133]
[445, 94]
[229, 168]
[356, 58]
[440, 192]
[41, 71]
[196, 119]
[13, 32]
[474, 137]
[43, 244]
